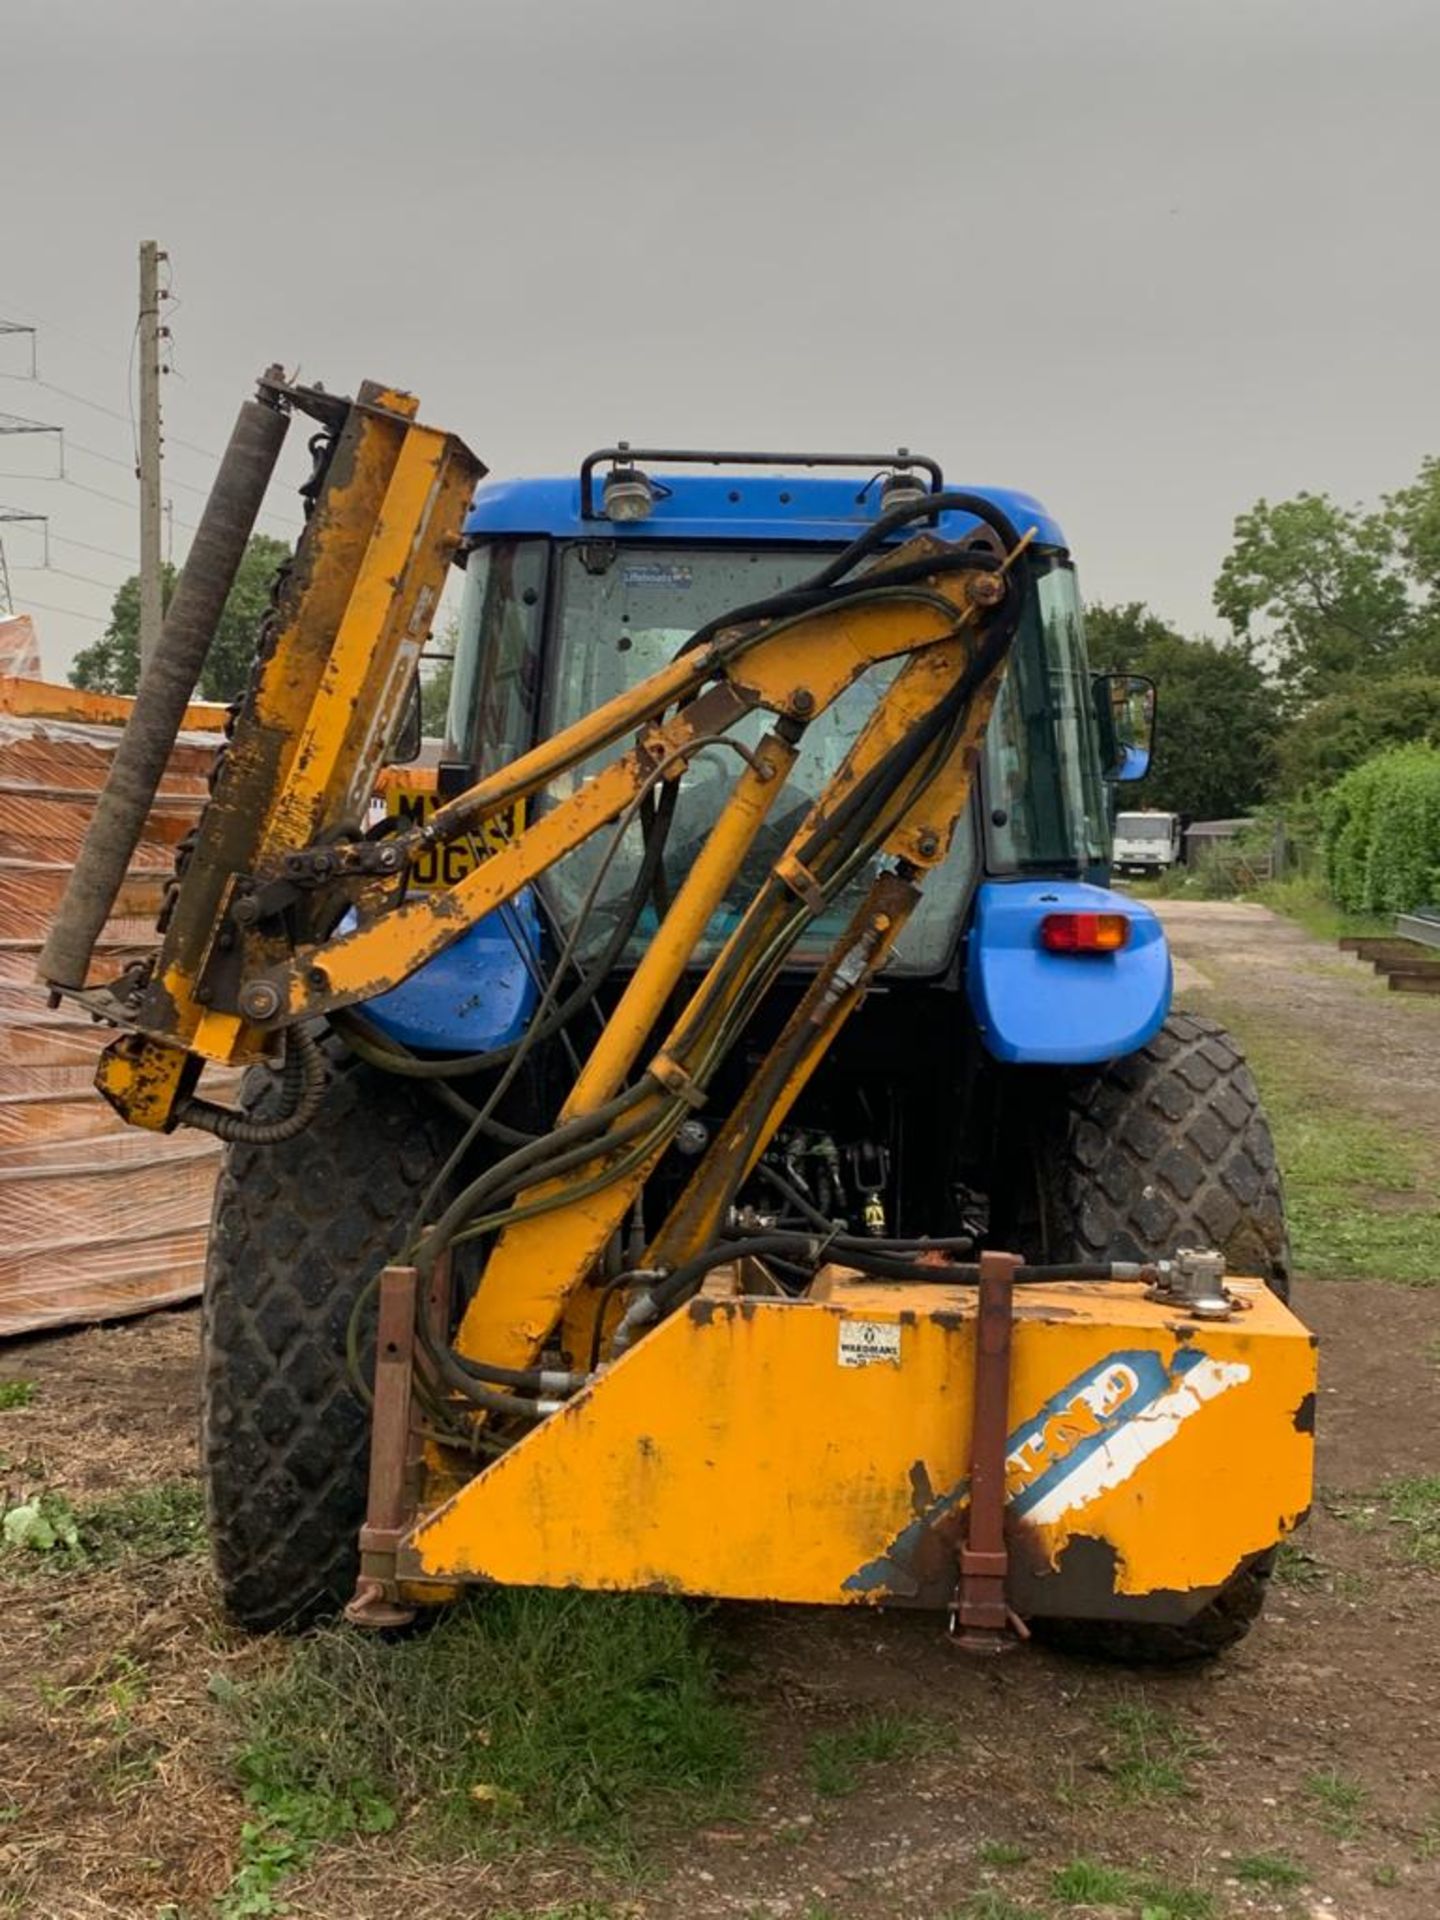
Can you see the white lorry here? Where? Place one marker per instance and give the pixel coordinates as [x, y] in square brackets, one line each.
[1147, 842]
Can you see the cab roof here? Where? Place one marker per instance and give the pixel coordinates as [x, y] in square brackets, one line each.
[745, 507]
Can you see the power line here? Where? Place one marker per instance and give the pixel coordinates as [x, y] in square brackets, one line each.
[64, 573]
[83, 486]
[86, 546]
[92, 346]
[94, 453]
[74, 613]
[68, 393]
[111, 413]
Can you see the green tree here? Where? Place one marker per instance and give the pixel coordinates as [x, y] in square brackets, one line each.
[1216, 714]
[1328, 590]
[435, 698]
[437, 671]
[1351, 725]
[112, 664]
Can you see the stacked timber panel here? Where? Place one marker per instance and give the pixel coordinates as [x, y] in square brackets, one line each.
[96, 1219]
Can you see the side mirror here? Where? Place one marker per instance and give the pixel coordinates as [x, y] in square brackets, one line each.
[406, 741]
[1125, 710]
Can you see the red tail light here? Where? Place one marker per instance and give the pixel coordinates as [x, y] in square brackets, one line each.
[1084, 932]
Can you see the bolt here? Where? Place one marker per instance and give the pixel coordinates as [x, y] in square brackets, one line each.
[802, 702]
[260, 1000]
[388, 858]
[986, 589]
[317, 978]
[928, 844]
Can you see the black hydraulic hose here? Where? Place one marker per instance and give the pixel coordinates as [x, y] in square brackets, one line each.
[572, 1158]
[302, 1088]
[952, 500]
[458, 1377]
[829, 580]
[460, 1066]
[525, 1166]
[845, 837]
[879, 1243]
[887, 773]
[533, 1033]
[380, 1050]
[538, 1380]
[855, 1252]
[682, 1279]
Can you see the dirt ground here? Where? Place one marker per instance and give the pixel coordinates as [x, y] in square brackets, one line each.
[1316, 1743]
[1389, 1042]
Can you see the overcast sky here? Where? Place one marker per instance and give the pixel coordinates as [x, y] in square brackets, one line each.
[1148, 259]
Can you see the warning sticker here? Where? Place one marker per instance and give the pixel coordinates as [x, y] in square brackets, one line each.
[864, 1342]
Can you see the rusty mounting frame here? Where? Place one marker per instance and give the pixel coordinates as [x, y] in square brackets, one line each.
[980, 1619]
[394, 1457]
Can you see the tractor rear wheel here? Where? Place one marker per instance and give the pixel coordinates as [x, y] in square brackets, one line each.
[1168, 1147]
[298, 1232]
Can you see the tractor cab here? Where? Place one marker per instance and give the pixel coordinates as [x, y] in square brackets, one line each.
[578, 588]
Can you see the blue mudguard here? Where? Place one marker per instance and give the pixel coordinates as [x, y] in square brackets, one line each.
[1039, 1008]
[476, 995]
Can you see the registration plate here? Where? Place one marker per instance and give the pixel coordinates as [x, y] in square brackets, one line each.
[446, 866]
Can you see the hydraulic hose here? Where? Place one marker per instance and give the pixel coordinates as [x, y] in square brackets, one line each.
[833, 854]
[302, 1088]
[859, 1253]
[526, 1165]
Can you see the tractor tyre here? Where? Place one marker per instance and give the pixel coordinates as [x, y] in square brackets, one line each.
[297, 1233]
[1168, 1147]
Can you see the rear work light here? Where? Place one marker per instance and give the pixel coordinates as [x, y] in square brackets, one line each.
[1084, 932]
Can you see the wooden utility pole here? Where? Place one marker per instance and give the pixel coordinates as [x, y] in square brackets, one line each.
[152, 602]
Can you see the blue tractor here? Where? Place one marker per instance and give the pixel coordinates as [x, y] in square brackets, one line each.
[1017, 1077]
[634, 1095]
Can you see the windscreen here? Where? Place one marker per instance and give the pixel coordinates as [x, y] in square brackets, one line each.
[1045, 796]
[1142, 826]
[621, 613]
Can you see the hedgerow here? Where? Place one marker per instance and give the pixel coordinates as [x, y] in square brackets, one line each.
[1381, 827]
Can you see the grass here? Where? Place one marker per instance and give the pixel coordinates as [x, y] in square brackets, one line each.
[571, 1910]
[989, 1904]
[1413, 1505]
[1303, 901]
[1337, 1802]
[1002, 1853]
[15, 1394]
[837, 1759]
[1296, 1568]
[1410, 1504]
[1148, 1753]
[1086, 1883]
[161, 1522]
[1275, 1870]
[1355, 1185]
[520, 1717]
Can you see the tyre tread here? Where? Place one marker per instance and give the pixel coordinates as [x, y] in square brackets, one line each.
[296, 1231]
